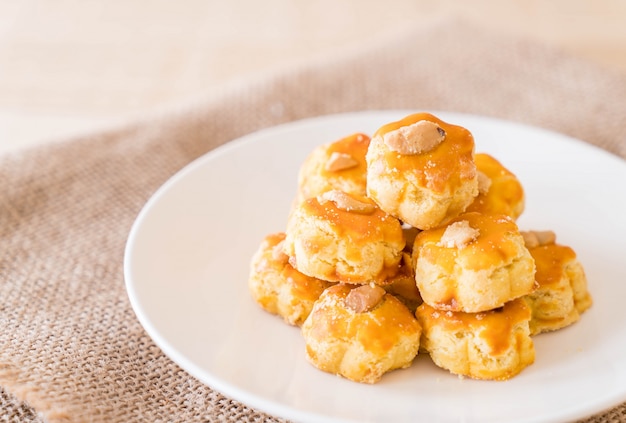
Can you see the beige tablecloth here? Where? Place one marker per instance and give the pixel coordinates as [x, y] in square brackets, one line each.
[71, 348]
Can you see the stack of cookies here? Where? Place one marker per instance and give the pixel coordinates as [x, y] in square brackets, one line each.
[407, 241]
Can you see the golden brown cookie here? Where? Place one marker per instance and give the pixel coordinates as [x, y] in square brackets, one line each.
[360, 333]
[499, 190]
[279, 288]
[338, 237]
[562, 293]
[337, 165]
[477, 262]
[493, 344]
[421, 170]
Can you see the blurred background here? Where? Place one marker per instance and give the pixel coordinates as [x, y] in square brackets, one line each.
[70, 66]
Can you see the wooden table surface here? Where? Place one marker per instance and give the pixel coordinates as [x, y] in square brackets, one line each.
[71, 66]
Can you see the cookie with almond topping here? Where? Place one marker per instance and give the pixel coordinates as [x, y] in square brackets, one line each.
[562, 295]
[360, 333]
[337, 165]
[499, 190]
[339, 237]
[279, 288]
[421, 170]
[477, 262]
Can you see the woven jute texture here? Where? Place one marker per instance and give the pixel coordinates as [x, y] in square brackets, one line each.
[71, 348]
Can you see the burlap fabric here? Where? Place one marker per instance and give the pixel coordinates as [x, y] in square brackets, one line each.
[71, 348]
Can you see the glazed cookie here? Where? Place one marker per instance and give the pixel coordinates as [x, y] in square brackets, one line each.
[499, 190]
[493, 344]
[338, 237]
[562, 293]
[360, 333]
[279, 288]
[421, 170]
[337, 165]
[477, 262]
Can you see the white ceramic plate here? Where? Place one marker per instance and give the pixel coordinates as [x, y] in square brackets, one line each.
[186, 269]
